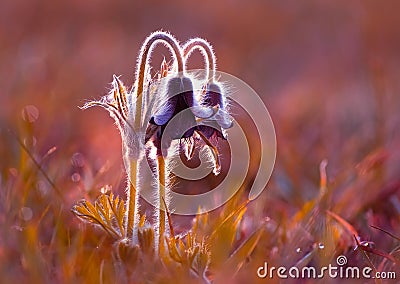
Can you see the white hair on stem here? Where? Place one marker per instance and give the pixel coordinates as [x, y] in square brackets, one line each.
[206, 50]
[139, 91]
[211, 66]
[144, 59]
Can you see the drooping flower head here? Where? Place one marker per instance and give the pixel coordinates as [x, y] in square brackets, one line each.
[213, 97]
[180, 108]
[213, 94]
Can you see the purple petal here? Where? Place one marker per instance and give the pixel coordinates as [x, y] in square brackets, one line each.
[203, 112]
[213, 96]
[212, 99]
[223, 119]
[189, 133]
[165, 113]
[180, 86]
[208, 131]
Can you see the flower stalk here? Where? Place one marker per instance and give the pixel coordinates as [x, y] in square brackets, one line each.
[162, 203]
[139, 125]
[209, 57]
[213, 98]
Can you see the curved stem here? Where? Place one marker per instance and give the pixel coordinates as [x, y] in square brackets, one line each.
[208, 54]
[141, 71]
[147, 47]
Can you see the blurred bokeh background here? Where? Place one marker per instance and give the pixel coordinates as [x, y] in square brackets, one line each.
[328, 72]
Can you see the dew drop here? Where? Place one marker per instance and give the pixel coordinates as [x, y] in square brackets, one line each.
[17, 228]
[321, 246]
[26, 213]
[30, 113]
[76, 177]
[30, 141]
[298, 250]
[42, 187]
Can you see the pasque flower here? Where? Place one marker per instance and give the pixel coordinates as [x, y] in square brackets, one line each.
[181, 106]
[213, 97]
[155, 113]
[130, 110]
